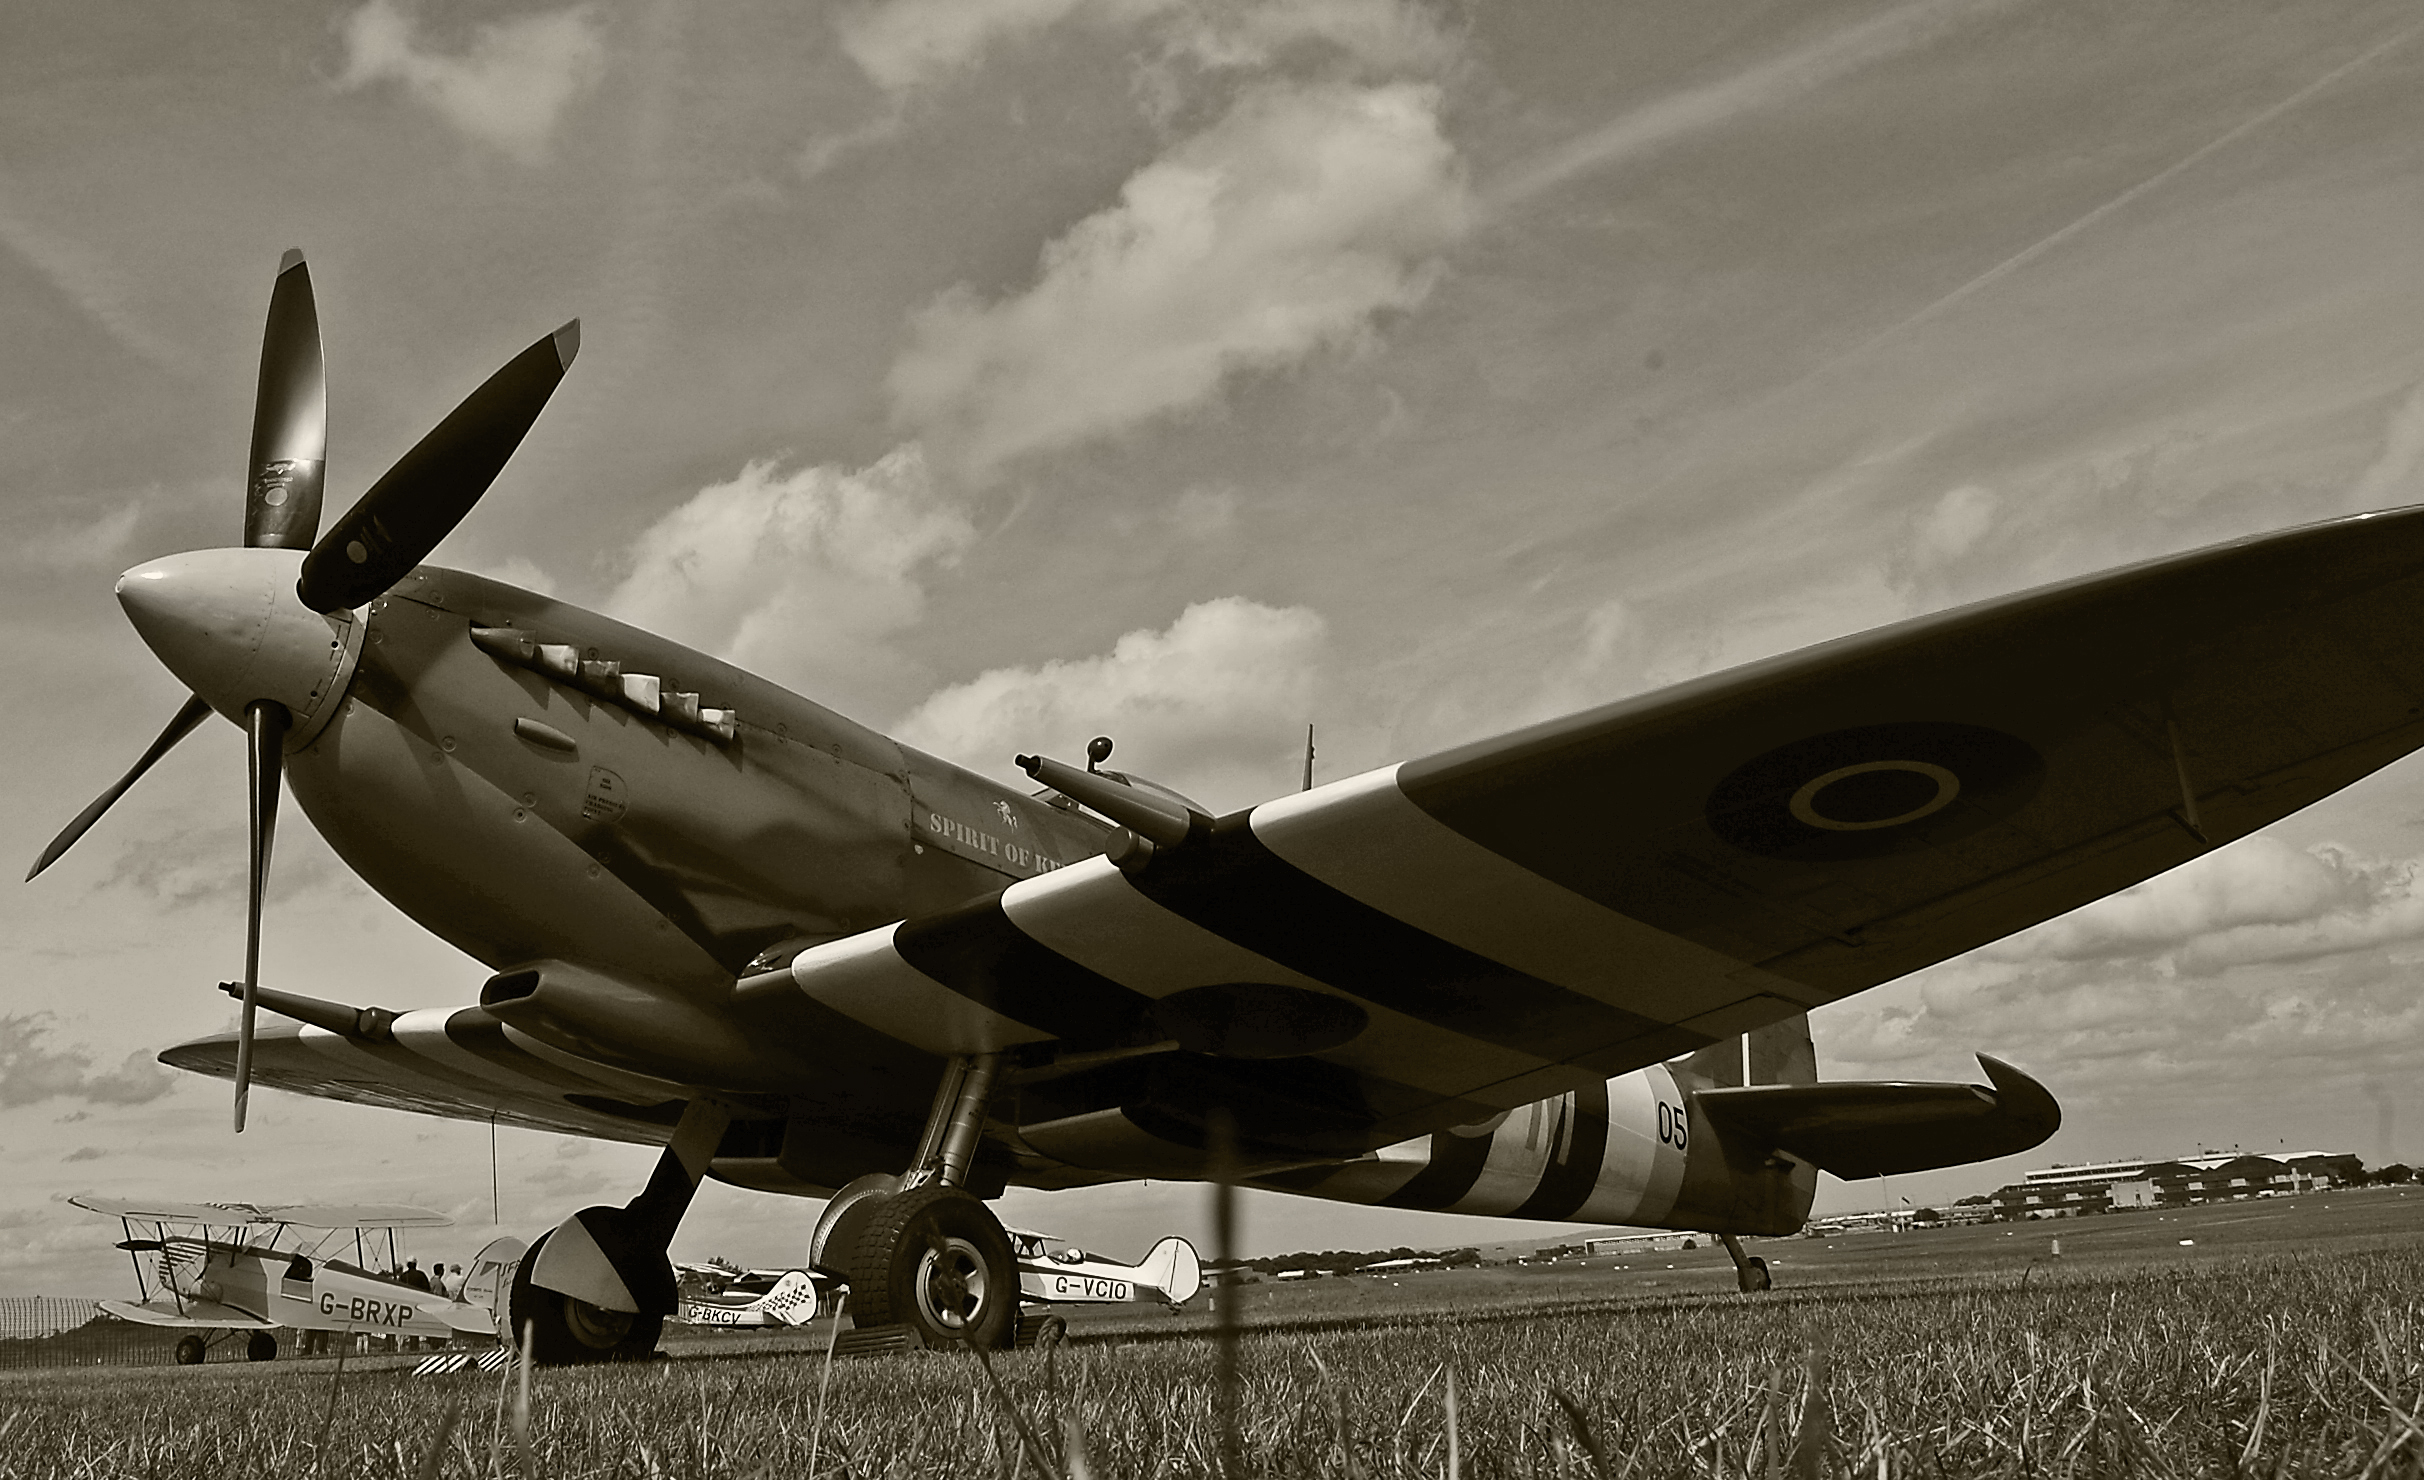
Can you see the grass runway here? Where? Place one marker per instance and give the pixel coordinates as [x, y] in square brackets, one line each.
[2285, 1337]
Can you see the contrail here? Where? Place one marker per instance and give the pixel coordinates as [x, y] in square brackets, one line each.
[1764, 86]
[2035, 250]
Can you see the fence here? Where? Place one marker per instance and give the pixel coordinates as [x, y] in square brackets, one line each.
[50, 1331]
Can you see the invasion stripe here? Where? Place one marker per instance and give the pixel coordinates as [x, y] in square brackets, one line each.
[1089, 914]
[1232, 884]
[476, 1032]
[1364, 836]
[1456, 1164]
[1572, 1172]
[977, 951]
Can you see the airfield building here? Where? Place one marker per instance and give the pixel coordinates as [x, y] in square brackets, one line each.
[2063, 1192]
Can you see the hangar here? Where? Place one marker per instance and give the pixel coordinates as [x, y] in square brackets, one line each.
[2068, 1191]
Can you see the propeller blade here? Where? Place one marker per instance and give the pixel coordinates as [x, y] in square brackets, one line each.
[194, 712]
[429, 490]
[290, 419]
[267, 721]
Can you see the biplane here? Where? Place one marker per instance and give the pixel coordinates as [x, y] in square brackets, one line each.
[226, 1268]
[1560, 974]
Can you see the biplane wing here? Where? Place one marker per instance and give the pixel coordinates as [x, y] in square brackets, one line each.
[236, 1215]
[204, 1314]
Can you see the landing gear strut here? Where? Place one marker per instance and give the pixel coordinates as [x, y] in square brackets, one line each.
[598, 1287]
[1750, 1271]
[923, 1252]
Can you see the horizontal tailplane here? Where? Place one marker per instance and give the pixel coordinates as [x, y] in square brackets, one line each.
[1860, 1129]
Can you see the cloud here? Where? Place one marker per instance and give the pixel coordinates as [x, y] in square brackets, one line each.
[84, 276]
[85, 1153]
[908, 44]
[1760, 88]
[31, 1072]
[2256, 900]
[1214, 705]
[508, 88]
[2259, 960]
[2390, 480]
[1285, 228]
[801, 576]
[82, 544]
[1944, 550]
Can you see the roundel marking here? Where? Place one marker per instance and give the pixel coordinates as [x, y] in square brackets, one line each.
[1874, 791]
[1871, 792]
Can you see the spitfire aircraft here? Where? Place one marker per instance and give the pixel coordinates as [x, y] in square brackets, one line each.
[221, 1270]
[1557, 974]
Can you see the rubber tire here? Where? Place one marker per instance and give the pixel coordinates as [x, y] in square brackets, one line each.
[894, 1248]
[571, 1333]
[261, 1347]
[1051, 1333]
[1754, 1277]
[191, 1350]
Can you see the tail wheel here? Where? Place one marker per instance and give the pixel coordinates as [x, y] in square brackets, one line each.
[190, 1350]
[261, 1347]
[937, 1261]
[1754, 1276]
[566, 1331]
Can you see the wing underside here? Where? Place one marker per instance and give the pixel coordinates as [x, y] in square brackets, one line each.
[200, 1314]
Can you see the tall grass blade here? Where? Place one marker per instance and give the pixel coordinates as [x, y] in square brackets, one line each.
[435, 1458]
[1581, 1427]
[1223, 1136]
[1026, 1433]
[833, 1338]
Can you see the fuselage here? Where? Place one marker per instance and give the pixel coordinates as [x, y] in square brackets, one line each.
[624, 830]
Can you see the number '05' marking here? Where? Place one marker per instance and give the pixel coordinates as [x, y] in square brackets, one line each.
[1673, 1125]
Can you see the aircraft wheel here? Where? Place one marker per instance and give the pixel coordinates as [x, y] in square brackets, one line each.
[566, 1331]
[190, 1350]
[1051, 1333]
[261, 1347]
[937, 1261]
[1753, 1276]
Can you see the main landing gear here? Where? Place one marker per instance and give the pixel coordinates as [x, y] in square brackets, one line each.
[598, 1286]
[919, 1250]
[1750, 1271]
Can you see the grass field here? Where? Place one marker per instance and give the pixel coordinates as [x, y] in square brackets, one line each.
[2286, 1338]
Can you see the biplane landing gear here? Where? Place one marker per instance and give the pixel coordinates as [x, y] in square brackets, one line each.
[190, 1350]
[260, 1347]
[598, 1286]
[1750, 1271]
[920, 1251]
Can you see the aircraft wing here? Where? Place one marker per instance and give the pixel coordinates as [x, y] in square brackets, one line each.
[203, 1313]
[361, 1215]
[166, 1210]
[1426, 945]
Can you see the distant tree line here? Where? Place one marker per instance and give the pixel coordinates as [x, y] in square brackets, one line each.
[1345, 1261]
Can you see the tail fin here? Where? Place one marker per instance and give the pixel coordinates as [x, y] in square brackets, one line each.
[1779, 1053]
[1172, 1268]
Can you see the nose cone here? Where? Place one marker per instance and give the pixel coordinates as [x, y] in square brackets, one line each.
[228, 624]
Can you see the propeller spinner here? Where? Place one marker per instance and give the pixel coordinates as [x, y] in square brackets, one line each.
[267, 636]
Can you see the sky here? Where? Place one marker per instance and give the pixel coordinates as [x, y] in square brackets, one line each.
[1005, 372]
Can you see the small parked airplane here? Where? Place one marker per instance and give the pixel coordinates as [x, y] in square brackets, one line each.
[1054, 1271]
[1558, 974]
[715, 1296]
[219, 1273]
